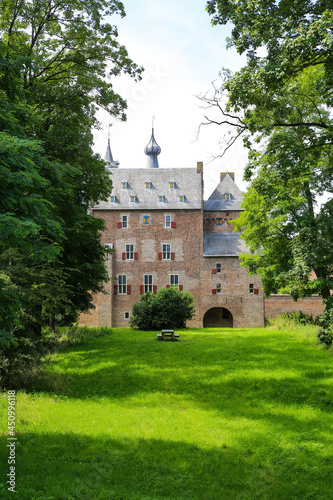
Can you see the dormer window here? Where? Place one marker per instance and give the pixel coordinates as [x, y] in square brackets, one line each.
[181, 198]
[227, 196]
[112, 199]
[161, 198]
[172, 184]
[124, 185]
[148, 185]
[132, 199]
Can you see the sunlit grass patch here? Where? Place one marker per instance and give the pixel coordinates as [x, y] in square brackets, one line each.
[234, 414]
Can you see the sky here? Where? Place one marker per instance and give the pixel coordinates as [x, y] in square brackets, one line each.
[182, 54]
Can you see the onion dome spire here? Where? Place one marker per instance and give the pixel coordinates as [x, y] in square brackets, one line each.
[152, 150]
[108, 158]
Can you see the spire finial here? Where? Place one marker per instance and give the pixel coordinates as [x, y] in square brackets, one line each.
[152, 149]
[110, 163]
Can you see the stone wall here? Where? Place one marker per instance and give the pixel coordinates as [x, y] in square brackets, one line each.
[276, 304]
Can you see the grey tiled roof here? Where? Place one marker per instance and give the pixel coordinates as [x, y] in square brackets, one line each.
[187, 183]
[216, 205]
[223, 245]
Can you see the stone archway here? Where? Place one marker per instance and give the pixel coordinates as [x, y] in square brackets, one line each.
[218, 317]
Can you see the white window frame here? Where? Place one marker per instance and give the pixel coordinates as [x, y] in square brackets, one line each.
[167, 220]
[148, 283]
[124, 221]
[251, 288]
[174, 279]
[129, 251]
[218, 267]
[166, 251]
[127, 315]
[122, 284]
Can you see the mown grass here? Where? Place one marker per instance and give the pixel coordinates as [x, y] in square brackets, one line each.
[220, 414]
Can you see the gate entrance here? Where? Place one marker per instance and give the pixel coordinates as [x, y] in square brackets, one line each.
[218, 317]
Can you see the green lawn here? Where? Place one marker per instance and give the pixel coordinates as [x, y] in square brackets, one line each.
[220, 414]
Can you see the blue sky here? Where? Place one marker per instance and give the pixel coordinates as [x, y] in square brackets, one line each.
[182, 54]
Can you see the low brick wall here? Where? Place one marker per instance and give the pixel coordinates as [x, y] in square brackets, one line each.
[277, 304]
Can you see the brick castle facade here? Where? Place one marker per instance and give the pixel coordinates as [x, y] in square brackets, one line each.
[163, 233]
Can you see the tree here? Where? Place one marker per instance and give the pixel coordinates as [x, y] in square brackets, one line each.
[57, 62]
[169, 308]
[280, 102]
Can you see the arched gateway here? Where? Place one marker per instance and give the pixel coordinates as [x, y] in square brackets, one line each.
[218, 317]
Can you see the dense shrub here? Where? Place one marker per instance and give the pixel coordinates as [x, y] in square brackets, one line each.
[299, 317]
[325, 322]
[169, 308]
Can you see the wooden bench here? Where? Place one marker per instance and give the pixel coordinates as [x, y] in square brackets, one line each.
[167, 334]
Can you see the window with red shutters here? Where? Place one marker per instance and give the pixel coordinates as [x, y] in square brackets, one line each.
[181, 287]
[119, 224]
[142, 289]
[123, 255]
[136, 255]
[159, 255]
[172, 255]
[154, 288]
[115, 289]
[173, 223]
[128, 289]
[214, 291]
[213, 271]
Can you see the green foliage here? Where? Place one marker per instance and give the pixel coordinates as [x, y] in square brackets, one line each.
[170, 308]
[57, 60]
[299, 317]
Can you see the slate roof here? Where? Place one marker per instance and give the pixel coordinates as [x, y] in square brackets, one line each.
[188, 183]
[223, 245]
[218, 201]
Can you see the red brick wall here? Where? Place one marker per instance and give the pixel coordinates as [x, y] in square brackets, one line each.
[209, 221]
[246, 308]
[276, 304]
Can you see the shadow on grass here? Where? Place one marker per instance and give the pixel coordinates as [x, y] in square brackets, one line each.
[71, 466]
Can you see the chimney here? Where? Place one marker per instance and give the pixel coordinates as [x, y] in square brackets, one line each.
[199, 167]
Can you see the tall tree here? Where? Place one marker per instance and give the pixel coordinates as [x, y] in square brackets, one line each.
[280, 102]
[58, 59]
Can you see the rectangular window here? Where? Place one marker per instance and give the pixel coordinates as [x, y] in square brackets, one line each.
[218, 287]
[167, 220]
[172, 184]
[161, 198]
[129, 250]
[148, 185]
[124, 185]
[166, 251]
[218, 267]
[133, 199]
[122, 281]
[251, 287]
[148, 282]
[127, 315]
[174, 279]
[124, 221]
[182, 198]
[112, 199]
[227, 196]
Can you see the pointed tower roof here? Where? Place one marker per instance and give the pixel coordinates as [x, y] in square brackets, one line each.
[152, 150]
[226, 196]
[108, 158]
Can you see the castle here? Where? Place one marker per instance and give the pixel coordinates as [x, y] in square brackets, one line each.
[163, 233]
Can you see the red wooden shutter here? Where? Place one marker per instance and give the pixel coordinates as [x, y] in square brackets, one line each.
[172, 255]
[213, 290]
[142, 289]
[119, 224]
[159, 255]
[115, 289]
[128, 289]
[181, 287]
[154, 288]
[256, 291]
[173, 223]
[136, 255]
[167, 286]
[123, 256]
[213, 271]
